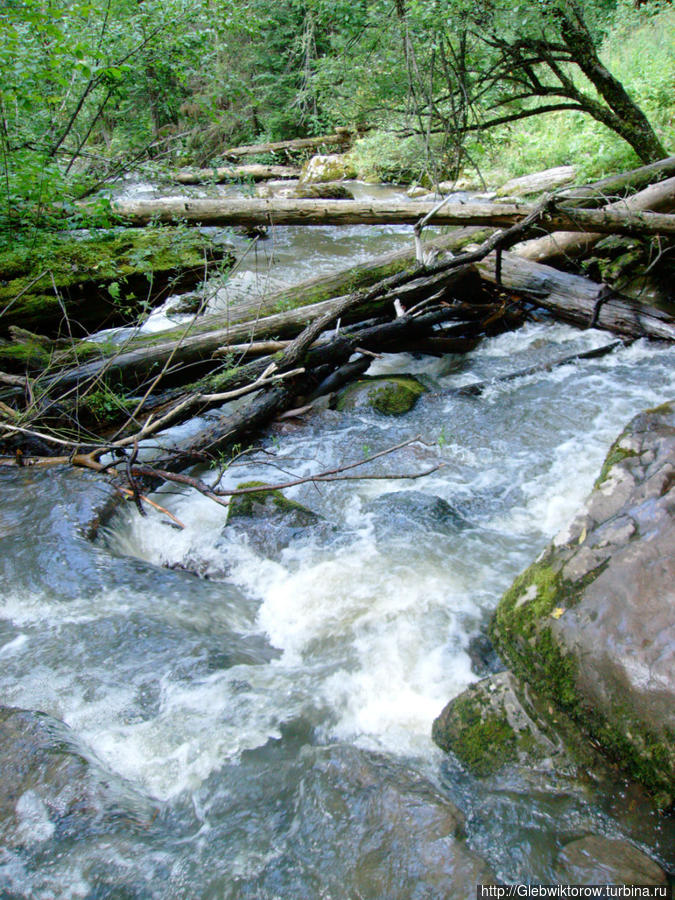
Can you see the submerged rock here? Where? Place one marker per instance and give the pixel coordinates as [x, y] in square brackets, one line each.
[391, 395]
[590, 624]
[599, 860]
[51, 784]
[270, 520]
[393, 831]
[403, 512]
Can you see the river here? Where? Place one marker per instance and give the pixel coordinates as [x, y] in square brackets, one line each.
[262, 728]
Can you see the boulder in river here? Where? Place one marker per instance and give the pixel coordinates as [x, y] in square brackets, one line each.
[330, 167]
[269, 519]
[595, 859]
[590, 624]
[391, 395]
[498, 721]
[408, 512]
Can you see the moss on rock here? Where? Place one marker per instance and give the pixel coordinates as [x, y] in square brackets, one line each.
[390, 395]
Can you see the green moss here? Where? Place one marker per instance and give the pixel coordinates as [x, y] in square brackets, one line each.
[616, 455]
[258, 503]
[387, 394]
[484, 742]
[119, 271]
[522, 634]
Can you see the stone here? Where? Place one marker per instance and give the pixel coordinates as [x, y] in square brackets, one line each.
[395, 827]
[590, 624]
[390, 395]
[271, 521]
[595, 859]
[329, 167]
[407, 512]
[50, 782]
[323, 191]
[497, 722]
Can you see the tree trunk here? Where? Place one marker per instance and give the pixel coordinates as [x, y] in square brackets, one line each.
[341, 139]
[353, 212]
[576, 299]
[235, 173]
[561, 244]
[624, 115]
[599, 192]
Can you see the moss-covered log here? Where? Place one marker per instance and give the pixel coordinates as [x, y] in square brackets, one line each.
[75, 285]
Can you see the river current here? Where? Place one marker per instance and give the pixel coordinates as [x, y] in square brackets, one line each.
[260, 713]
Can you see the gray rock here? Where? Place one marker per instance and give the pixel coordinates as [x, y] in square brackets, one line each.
[590, 624]
[270, 521]
[406, 512]
[51, 783]
[598, 860]
[401, 836]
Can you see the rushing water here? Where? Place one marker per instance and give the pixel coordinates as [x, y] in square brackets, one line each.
[265, 731]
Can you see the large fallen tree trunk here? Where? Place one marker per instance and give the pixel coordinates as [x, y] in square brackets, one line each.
[610, 220]
[235, 173]
[576, 299]
[342, 139]
[569, 243]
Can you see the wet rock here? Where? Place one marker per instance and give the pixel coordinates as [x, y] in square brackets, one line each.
[406, 512]
[391, 395]
[322, 191]
[598, 860]
[51, 785]
[330, 167]
[483, 656]
[270, 520]
[590, 624]
[496, 722]
[392, 831]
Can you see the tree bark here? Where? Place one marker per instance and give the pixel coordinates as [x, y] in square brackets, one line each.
[610, 220]
[616, 186]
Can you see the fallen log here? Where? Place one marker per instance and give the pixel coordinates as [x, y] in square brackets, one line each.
[610, 220]
[615, 186]
[576, 299]
[568, 243]
[340, 138]
[149, 354]
[235, 173]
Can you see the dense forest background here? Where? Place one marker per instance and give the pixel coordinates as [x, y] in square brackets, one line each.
[436, 88]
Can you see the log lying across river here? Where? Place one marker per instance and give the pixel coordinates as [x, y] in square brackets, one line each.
[250, 172]
[342, 139]
[356, 212]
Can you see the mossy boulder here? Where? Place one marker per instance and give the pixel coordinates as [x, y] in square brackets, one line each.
[390, 395]
[100, 281]
[590, 624]
[497, 722]
[330, 167]
[270, 520]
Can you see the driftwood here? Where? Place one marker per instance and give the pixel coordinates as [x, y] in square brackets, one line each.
[340, 138]
[235, 173]
[660, 196]
[615, 219]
